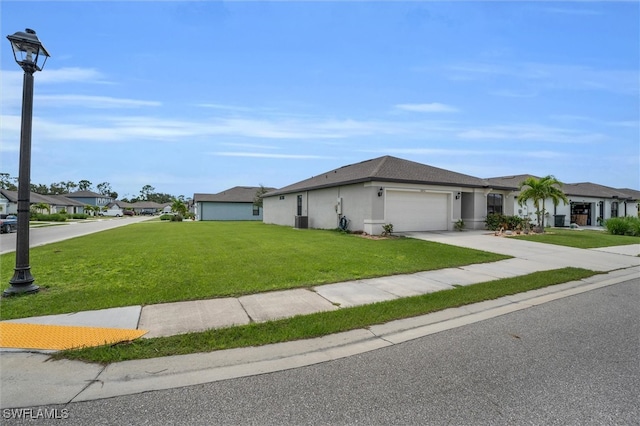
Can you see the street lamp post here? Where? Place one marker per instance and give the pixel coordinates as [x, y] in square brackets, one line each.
[27, 50]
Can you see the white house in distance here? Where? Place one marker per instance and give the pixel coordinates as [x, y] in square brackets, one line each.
[589, 203]
[417, 197]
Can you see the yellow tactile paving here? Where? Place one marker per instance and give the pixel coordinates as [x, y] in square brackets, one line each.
[59, 337]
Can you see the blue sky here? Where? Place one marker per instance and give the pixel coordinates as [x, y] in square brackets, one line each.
[198, 97]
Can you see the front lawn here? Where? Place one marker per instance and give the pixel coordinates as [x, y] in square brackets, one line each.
[580, 238]
[157, 262]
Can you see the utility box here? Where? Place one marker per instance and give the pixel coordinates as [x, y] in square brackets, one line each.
[302, 222]
[558, 220]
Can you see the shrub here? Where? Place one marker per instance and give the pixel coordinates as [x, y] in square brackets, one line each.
[177, 218]
[459, 225]
[495, 221]
[387, 229]
[623, 226]
[55, 217]
[166, 217]
[79, 216]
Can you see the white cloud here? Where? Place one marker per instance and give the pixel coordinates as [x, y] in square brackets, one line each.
[71, 75]
[264, 155]
[570, 11]
[432, 107]
[552, 76]
[532, 133]
[94, 101]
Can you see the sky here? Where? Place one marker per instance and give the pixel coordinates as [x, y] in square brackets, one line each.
[201, 96]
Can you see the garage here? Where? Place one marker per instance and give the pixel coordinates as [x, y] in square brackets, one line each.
[417, 211]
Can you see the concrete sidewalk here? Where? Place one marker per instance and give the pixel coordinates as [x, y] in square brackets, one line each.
[27, 380]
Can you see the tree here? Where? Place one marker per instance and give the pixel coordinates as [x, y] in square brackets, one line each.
[146, 191]
[7, 182]
[93, 210]
[40, 207]
[104, 188]
[62, 187]
[538, 191]
[257, 199]
[161, 198]
[84, 185]
[179, 207]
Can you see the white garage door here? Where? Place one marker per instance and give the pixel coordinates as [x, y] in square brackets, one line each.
[417, 211]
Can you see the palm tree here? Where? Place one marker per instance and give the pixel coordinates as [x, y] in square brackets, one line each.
[89, 209]
[179, 207]
[538, 191]
[41, 207]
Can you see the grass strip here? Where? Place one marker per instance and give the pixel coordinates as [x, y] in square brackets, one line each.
[579, 238]
[324, 323]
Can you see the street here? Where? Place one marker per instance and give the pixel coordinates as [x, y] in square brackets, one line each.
[573, 361]
[59, 232]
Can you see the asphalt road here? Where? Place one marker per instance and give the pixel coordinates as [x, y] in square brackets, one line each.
[51, 234]
[574, 361]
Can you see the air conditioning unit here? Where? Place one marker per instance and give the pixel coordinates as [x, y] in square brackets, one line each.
[302, 222]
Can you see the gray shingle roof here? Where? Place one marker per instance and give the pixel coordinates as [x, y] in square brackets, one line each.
[54, 200]
[383, 169]
[583, 189]
[588, 189]
[631, 193]
[237, 194]
[509, 181]
[85, 194]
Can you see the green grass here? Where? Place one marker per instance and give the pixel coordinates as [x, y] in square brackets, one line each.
[155, 262]
[321, 324]
[580, 238]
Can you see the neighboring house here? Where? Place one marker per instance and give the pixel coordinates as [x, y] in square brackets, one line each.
[139, 207]
[4, 204]
[90, 198]
[236, 203]
[145, 207]
[166, 208]
[55, 203]
[589, 203]
[385, 190]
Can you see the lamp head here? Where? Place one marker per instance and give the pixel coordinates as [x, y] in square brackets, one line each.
[28, 51]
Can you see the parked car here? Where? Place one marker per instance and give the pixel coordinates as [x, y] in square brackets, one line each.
[146, 213]
[8, 224]
[128, 212]
[111, 212]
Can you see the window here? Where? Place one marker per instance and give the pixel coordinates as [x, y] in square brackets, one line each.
[494, 204]
[614, 209]
[299, 205]
[256, 210]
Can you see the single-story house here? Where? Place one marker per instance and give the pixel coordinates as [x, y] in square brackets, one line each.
[140, 207]
[237, 203]
[589, 204]
[145, 207]
[385, 190]
[55, 203]
[417, 197]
